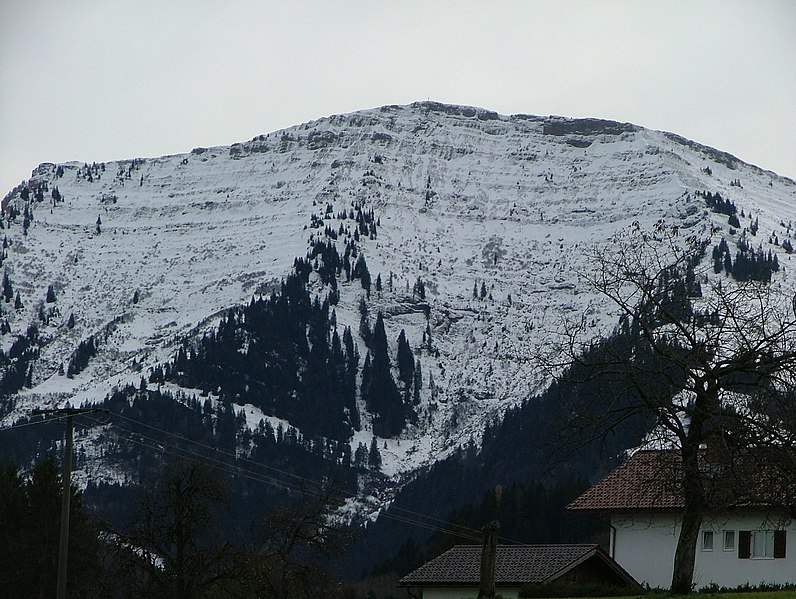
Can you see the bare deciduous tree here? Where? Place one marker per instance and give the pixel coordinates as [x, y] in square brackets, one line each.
[173, 548]
[298, 549]
[701, 360]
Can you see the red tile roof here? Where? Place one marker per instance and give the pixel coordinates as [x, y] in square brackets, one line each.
[514, 565]
[649, 480]
[645, 481]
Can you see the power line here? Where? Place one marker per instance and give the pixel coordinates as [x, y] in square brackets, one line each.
[217, 450]
[166, 448]
[413, 518]
[295, 482]
[177, 451]
[44, 420]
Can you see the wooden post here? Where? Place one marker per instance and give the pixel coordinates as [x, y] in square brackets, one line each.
[486, 588]
[63, 547]
[67, 488]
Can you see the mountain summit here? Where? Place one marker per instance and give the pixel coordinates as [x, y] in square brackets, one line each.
[470, 227]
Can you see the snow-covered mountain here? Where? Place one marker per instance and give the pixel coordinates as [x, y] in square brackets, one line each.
[491, 212]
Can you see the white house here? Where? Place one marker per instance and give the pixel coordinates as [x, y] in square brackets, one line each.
[736, 546]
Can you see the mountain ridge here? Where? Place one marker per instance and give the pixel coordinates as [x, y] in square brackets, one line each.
[491, 212]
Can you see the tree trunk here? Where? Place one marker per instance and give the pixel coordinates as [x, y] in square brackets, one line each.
[693, 514]
[685, 554]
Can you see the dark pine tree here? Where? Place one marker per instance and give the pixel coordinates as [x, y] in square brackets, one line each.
[418, 383]
[362, 273]
[381, 394]
[364, 323]
[406, 361]
[8, 289]
[374, 456]
[29, 515]
[350, 380]
[419, 289]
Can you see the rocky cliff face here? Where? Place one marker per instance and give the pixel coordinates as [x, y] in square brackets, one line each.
[482, 222]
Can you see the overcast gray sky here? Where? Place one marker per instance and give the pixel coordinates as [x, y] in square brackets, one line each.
[110, 79]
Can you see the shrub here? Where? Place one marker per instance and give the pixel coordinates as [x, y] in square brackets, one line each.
[530, 591]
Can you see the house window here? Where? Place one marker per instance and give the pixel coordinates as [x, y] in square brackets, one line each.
[762, 544]
[729, 540]
[707, 540]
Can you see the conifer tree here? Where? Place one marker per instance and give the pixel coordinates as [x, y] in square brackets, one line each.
[406, 361]
[374, 456]
[351, 367]
[362, 273]
[8, 290]
[364, 324]
[29, 515]
[379, 390]
[419, 288]
[366, 378]
[361, 456]
[418, 383]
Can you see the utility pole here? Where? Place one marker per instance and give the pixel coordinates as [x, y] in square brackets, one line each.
[63, 547]
[486, 588]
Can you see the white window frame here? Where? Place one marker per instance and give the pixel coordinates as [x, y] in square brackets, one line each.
[729, 535]
[767, 537]
[707, 540]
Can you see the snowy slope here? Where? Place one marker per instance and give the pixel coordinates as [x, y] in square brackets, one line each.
[464, 197]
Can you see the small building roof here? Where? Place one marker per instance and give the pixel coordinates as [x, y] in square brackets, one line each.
[646, 481]
[514, 565]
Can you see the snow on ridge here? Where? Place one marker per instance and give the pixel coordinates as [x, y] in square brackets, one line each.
[465, 198]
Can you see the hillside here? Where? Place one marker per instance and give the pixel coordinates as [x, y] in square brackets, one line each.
[479, 225]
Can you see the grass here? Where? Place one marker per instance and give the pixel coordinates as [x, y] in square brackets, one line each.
[732, 595]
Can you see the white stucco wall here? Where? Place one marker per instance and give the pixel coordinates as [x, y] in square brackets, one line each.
[644, 545]
[466, 592]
